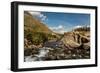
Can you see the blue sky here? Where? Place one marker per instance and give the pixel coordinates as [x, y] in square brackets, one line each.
[63, 21]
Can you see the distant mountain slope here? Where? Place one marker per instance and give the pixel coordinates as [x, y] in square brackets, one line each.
[33, 24]
[84, 28]
[36, 32]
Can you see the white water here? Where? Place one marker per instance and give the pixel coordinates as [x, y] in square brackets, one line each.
[38, 57]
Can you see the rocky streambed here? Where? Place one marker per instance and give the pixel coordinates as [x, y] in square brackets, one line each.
[56, 53]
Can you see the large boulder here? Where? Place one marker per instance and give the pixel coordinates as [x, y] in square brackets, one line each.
[86, 45]
[76, 39]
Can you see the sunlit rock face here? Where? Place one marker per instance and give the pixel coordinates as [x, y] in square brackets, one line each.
[75, 39]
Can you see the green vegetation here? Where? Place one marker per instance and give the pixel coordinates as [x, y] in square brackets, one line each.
[37, 38]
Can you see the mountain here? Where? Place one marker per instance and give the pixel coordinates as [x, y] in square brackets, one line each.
[34, 25]
[84, 28]
[36, 32]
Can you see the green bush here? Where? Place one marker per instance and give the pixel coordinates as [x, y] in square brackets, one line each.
[38, 38]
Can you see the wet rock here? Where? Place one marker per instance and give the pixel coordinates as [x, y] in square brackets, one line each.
[27, 52]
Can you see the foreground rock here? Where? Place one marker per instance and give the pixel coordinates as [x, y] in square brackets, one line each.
[47, 54]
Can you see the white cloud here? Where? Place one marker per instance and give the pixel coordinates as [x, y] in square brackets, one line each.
[88, 26]
[44, 18]
[39, 15]
[35, 13]
[78, 26]
[58, 29]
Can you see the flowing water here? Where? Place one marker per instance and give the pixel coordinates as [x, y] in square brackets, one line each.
[38, 57]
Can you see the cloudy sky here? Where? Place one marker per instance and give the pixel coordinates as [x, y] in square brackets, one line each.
[62, 22]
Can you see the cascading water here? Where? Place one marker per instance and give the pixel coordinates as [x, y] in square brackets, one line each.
[38, 57]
